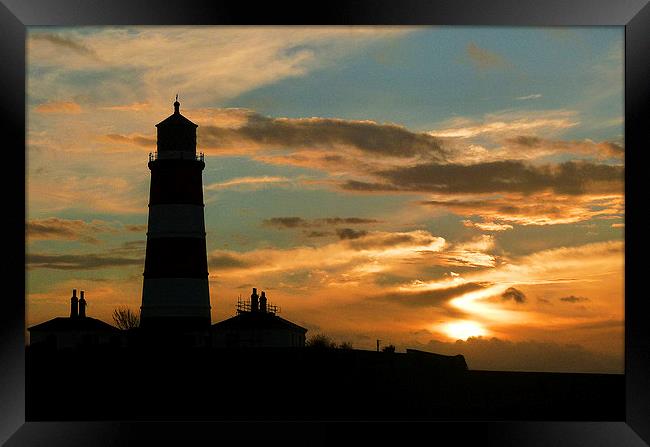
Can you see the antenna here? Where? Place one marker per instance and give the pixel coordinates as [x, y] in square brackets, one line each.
[176, 96]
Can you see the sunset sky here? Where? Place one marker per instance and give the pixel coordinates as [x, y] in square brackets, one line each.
[451, 189]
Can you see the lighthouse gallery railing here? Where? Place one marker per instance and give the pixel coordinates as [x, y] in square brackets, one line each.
[176, 155]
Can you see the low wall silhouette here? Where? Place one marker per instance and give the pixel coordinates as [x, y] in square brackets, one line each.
[302, 384]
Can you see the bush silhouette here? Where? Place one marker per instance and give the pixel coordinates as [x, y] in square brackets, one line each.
[320, 341]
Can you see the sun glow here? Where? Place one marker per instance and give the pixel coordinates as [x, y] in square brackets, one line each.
[462, 330]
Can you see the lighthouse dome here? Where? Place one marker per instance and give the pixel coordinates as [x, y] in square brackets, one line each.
[176, 133]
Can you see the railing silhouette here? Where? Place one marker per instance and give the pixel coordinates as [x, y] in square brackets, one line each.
[176, 155]
[244, 305]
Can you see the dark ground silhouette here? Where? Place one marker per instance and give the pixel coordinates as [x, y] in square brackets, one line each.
[301, 384]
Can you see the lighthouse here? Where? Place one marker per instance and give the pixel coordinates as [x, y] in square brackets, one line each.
[175, 292]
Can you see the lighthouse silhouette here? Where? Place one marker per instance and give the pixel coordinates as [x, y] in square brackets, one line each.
[175, 292]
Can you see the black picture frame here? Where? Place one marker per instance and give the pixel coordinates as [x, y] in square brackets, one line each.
[16, 15]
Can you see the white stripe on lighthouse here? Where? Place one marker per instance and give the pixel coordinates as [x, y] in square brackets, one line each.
[184, 220]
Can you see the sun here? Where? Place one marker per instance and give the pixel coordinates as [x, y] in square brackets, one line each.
[462, 330]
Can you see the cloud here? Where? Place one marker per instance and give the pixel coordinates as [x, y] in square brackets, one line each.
[428, 298]
[63, 107]
[256, 132]
[78, 261]
[137, 140]
[533, 96]
[349, 233]
[580, 264]
[136, 228]
[347, 220]
[472, 253]
[54, 228]
[485, 59]
[418, 239]
[318, 234]
[286, 222]
[571, 178]
[537, 147]
[618, 225]
[64, 42]
[574, 299]
[508, 123]
[537, 209]
[238, 59]
[248, 181]
[299, 222]
[225, 261]
[133, 107]
[487, 226]
[88, 193]
[371, 253]
[513, 294]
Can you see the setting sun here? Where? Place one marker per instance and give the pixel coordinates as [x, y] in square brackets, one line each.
[462, 330]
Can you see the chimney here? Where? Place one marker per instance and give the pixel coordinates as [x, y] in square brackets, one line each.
[74, 304]
[254, 303]
[82, 306]
[263, 302]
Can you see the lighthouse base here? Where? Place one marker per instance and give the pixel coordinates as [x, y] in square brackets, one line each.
[175, 303]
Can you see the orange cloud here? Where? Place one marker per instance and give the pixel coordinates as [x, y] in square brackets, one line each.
[249, 182]
[134, 107]
[487, 226]
[66, 229]
[508, 123]
[62, 107]
[371, 253]
[485, 59]
[536, 209]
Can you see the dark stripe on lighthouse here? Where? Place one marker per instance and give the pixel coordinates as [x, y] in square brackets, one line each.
[176, 181]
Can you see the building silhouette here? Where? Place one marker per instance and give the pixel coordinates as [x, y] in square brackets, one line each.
[77, 330]
[257, 325]
[175, 292]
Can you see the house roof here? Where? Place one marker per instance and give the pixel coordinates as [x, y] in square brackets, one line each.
[257, 320]
[73, 324]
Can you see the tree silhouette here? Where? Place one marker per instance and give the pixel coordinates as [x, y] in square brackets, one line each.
[125, 318]
[345, 345]
[320, 341]
[389, 348]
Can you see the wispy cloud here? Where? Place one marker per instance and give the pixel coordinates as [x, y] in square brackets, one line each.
[63, 107]
[299, 222]
[62, 41]
[368, 253]
[258, 132]
[513, 294]
[67, 229]
[238, 59]
[571, 178]
[134, 107]
[487, 226]
[79, 262]
[533, 96]
[538, 209]
[485, 59]
[509, 122]
[574, 299]
[249, 182]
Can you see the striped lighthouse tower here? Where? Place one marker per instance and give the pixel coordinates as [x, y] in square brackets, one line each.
[175, 292]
